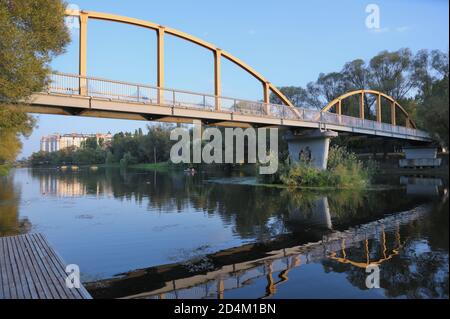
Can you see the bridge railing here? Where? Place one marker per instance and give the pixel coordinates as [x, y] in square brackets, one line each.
[332, 118]
[70, 84]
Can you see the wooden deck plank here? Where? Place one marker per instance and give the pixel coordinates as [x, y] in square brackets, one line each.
[51, 278]
[14, 283]
[34, 281]
[60, 266]
[60, 276]
[54, 266]
[30, 269]
[4, 282]
[40, 273]
[24, 272]
[42, 270]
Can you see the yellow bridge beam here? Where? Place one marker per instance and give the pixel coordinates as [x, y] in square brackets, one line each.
[160, 62]
[85, 15]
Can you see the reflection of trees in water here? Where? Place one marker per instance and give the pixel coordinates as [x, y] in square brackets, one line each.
[10, 223]
[253, 211]
[349, 207]
[421, 268]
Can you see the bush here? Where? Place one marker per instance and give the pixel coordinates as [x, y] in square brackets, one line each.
[127, 160]
[109, 158]
[344, 170]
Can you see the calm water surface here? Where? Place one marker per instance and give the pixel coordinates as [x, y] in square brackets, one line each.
[168, 235]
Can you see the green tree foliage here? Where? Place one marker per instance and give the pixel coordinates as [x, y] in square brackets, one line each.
[91, 143]
[126, 149]
[419, 82]
[32, 32]
[394, 73]
[127, 160]
[13, 123]
[432, 100]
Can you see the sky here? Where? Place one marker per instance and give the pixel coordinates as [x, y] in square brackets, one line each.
[289, 42]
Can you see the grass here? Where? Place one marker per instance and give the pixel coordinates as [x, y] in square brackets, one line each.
[162, 166]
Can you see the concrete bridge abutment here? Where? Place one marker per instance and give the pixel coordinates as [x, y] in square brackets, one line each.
[310, 146]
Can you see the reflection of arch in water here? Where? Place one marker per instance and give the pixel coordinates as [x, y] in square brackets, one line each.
[364, 264]
[271, 289]
[244, 271]
[315, 212]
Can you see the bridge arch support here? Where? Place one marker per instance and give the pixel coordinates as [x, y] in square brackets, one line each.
[337, 105]
[218, 54]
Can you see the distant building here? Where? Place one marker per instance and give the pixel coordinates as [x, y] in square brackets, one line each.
[56, 142]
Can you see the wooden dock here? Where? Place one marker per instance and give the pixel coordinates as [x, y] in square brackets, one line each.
[31, 269]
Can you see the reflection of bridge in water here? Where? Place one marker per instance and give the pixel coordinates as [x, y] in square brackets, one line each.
[238, 274]
[421, 186]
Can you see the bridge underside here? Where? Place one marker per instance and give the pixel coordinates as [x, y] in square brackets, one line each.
[44, 103]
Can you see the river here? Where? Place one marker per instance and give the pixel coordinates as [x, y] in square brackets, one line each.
[148, 234]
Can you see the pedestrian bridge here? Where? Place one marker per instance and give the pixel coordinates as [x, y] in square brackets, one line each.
[80, 94]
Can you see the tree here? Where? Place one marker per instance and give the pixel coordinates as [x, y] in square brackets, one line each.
[391, 73]
[13, 123]
[431, 102]
[433, 110]
[32, 33]
[356, 75]
[90, 143]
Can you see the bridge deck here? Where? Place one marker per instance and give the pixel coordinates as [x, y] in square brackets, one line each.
[31, 269]
[69, 94]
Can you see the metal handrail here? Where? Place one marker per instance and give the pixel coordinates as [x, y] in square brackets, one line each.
[142, 93]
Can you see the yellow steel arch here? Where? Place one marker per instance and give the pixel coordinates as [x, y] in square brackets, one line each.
[337, 102]
[362, 264]
[161, 31]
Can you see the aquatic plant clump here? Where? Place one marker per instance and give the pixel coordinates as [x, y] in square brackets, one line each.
[344, 170]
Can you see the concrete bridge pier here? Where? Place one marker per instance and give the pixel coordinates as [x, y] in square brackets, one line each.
[315, 212]
[311, 146]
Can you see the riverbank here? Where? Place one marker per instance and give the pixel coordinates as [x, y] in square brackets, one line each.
[162, 166]
[253, 181]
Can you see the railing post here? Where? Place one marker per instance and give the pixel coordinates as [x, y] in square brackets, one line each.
[266, 89]
[138, 93]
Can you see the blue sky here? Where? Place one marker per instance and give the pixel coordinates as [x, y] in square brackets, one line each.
[288, 41]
